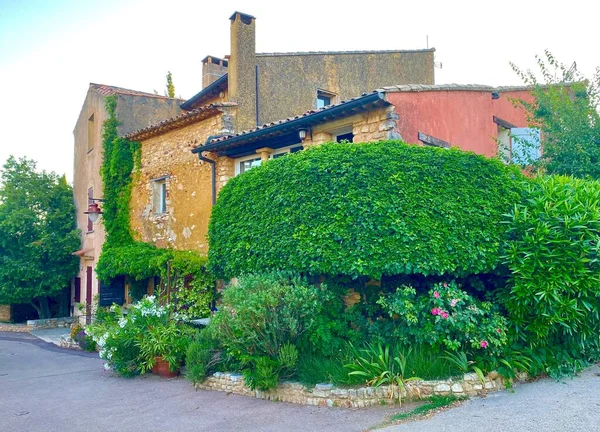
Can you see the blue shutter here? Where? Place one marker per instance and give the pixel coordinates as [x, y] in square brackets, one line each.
[525, 145]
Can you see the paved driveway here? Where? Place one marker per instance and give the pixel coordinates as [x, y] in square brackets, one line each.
[544, 406]
[44, 388]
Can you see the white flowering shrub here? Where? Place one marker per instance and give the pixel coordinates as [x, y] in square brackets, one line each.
[122, 333]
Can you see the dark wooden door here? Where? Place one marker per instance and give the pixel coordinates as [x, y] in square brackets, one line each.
[88, 294]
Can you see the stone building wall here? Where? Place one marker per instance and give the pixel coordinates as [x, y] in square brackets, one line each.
[184, 225]
[295, 78]
[356, 397]
[5, 313]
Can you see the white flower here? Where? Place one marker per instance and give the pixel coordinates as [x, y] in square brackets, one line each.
[122, 322]
[107, 367]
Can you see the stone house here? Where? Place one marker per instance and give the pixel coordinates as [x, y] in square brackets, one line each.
[134, 110]
[172, 198]
[472, 117]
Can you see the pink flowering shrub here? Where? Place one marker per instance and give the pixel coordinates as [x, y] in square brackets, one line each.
[446, 318]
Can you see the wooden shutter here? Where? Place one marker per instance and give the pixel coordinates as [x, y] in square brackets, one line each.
[77, 290]
[90, 224]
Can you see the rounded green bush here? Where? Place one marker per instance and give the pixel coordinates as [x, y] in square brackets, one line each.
[370, 209]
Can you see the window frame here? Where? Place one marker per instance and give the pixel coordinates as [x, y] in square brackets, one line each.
[324, 94]
[159, 191]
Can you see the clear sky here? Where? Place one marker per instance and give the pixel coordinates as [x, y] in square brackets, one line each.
[50, 50]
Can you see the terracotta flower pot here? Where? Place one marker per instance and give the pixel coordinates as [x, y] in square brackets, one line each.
[161, 368]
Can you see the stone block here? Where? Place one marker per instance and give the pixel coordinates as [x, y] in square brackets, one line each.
[457, 388]
[324, 386]
[441, 388]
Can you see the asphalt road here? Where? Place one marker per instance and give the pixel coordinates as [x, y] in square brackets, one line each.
[543, 406]
[45, 388]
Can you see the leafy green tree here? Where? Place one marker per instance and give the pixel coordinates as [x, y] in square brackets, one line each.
[170, 87]
[565, 108]
[37, 235]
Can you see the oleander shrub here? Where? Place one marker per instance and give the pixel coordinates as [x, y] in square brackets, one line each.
[553, 295]
[445, 318]
[370, 209]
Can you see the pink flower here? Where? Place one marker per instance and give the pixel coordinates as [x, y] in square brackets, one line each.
[499, 331]
[445, 285]
[453, 302]
[436, 294]
[484, 344]
[444, 314]
[435, 311]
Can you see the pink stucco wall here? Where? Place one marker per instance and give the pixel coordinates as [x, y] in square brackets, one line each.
[462, 118]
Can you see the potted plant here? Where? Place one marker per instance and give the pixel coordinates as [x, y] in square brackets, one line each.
[163, 349]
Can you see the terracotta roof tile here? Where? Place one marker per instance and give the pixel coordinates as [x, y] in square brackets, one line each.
[178, 121]
[106, 90]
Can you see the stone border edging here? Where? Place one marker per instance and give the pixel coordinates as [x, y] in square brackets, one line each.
[329, 395]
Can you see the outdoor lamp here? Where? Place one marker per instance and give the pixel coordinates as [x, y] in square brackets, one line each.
[93, 211]
[302, 134]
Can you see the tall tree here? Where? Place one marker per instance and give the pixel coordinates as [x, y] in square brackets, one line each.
[565, 108]
[170, 87]
[37, 235]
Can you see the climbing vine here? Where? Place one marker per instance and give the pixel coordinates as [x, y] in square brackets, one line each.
[121, 254]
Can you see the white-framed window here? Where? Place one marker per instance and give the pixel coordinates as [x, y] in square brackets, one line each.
[159, 195]
[246, 163]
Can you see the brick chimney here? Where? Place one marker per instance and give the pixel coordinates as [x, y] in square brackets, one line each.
[212, 69]
[242, 69]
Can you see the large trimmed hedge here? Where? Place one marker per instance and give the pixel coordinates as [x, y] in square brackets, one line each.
[369, 209]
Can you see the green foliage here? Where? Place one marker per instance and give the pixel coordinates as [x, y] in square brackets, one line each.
[447, 317]
[37, 235]
[170, 86]
[262, 313]
[263, 374]
[202, 357]
[369, 209]
[314, 369]
[463, 364]
[193, 285]
[552, 298]
[379, 366]
[118, 164]
[121, 255]
[130, 342]
[168, 341]
[565, 107]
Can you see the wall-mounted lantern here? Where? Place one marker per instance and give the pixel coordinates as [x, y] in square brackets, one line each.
[302, 133]
[93, 210]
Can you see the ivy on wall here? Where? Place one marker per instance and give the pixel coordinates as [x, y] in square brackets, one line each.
[121, 254]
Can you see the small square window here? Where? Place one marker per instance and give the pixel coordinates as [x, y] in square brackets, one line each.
[324, 98]
[159, 196]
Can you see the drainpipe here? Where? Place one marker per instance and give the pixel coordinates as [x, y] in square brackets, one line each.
[213, 176]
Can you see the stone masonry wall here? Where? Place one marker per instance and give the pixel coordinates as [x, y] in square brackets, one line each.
[328, 395]
[188, 184]
[5, 313]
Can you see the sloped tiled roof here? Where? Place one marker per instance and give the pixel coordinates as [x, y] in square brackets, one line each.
[451, 87]
[106, 90]
[209, 92]
[178, 121]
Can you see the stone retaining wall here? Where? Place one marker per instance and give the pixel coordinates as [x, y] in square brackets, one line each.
[328, 395]
[50, 323]
[14, 328]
